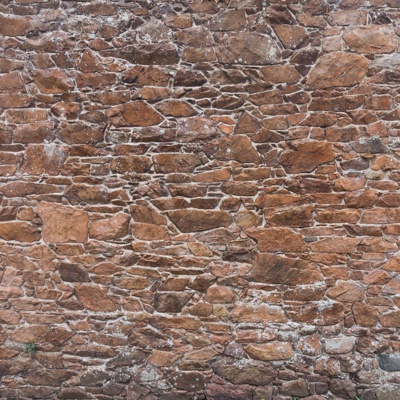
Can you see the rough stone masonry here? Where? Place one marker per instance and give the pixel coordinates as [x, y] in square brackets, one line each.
[199, 199]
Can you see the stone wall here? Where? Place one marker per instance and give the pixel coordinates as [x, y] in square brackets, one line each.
[199, 199]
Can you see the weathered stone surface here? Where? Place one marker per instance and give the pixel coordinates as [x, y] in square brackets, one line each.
[291, 36]
[137, 113]
[198, 129]
[276, 239]
[166, 163]
[80, 133]
[338, 69]
[11, 25]
[274, 269]
[176, 108]
[19, 231]
[73, 273]
[199, 220]
[272, 351]
[258, 313]
[371, 39]
[247, 372]
[306, 156]
[247, 48]
[52, 81]
[63, 224]
[131, 164]
[111, 228]
[238, 148]
[93, 298]
[44, 159]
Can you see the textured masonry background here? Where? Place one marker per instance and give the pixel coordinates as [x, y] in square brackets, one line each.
[200, 199]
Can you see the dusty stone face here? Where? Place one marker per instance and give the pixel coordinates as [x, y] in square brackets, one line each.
[199, 199]
[62, 223]
[338, 69]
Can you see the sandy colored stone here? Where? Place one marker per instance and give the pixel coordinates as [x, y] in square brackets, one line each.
[19, 231]
[62, 223]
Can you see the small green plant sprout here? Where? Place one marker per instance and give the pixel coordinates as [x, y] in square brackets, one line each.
[358, 398]
[30, 348]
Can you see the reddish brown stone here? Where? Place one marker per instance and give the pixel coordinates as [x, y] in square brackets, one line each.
[347, 292]
[137, 113]
[94, 194]
[257, 313]
[291, 36]
[34, 132]
[15, 26]
[176, 108]
[19, 231]
[52, 81]
[371, 39]
[112, 228]
[365, 314]
[335, 245]
[130, 164]
[166, 163]
[63, 224]
[80, 133]
[277, 239]
[247, 48]
[238, 148]
[93, 298]
[149, 231]
[273, 269]
[193, 220]
[44, 159]
[306, 156]
[338, 69]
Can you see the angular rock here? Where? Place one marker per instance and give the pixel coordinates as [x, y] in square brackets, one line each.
[146, 54]
[372, 145]
[137, 113]
[247, 48]
[19, 231]
[238, 148]
[228, 392]
[371, 39]
[52, 81]
[306, 156]
[80, 133]
[340, 345]
[291, 36]
[62, 223]
[192, 220]
[176, 108]
[131, 164]
[277, 239]
[247, 372]
[198, 129]
[44, 159]
[11, 25]
[171, 302]
[167, 163]
[115, 227]
[21, 189]
[93, 298]
[338, 69]
[272, 269]
[73, 273]
[257, 313]
[335, 245]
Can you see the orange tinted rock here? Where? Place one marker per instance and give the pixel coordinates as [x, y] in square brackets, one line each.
[272, 269]
[335, 245]
[219, 294]
[371, 39]
[338, 69]
[390, 319]
[149, 231]
[130, 164]
[52, 81]
[63, 224]
[347, 292]
[365, 314]
[93, 298]
[199, 220]
[176, 108]
[306, 156]
[272, 351]
[137, 113]
[19, 231]
[44, 159]
[80, 133]
[257, 313]
[111, 228]
[177, 322]
[238, 148]
[281, 74]
[277, 239]
[291, 36]
[166, 163]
